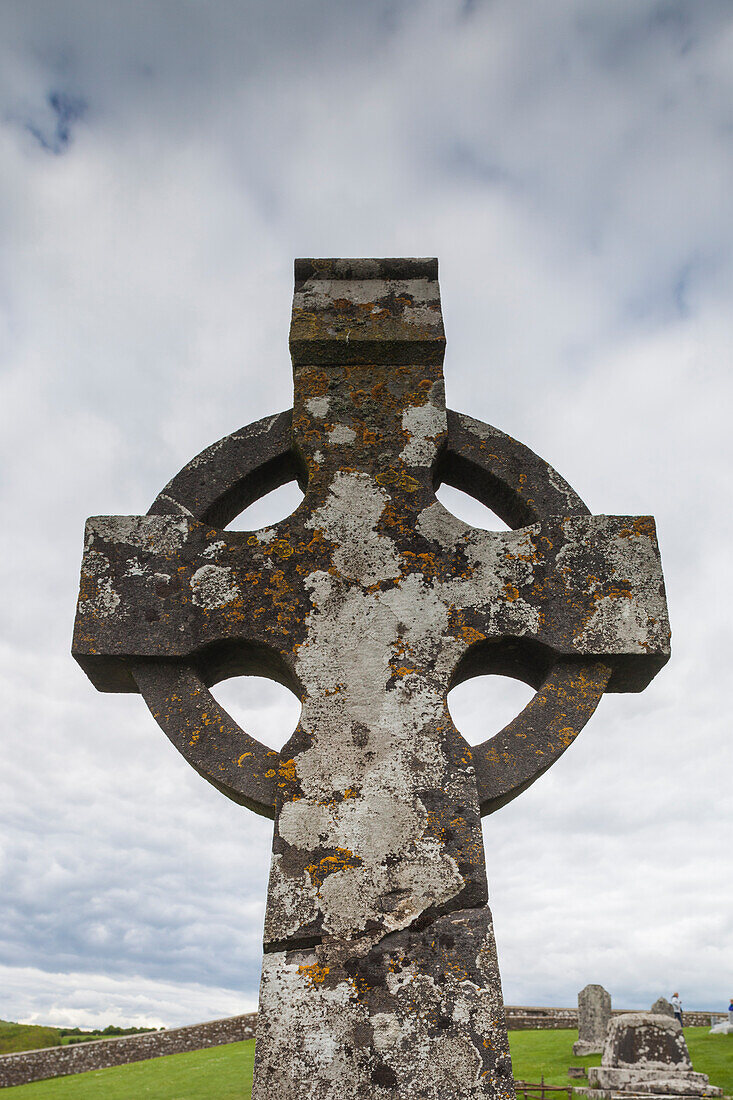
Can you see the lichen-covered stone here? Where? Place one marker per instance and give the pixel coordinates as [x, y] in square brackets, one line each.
[417, 1013]
[646, 1053]
[594, 1012]
[371, 601]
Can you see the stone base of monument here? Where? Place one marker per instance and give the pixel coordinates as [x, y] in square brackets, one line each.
[724, 1027]
[623, 1094]
[645, 1054]
[655, 1082]
[581, 1047]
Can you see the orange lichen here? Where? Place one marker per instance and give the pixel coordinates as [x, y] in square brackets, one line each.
[287, 771]
[315, 973]
[342, 860]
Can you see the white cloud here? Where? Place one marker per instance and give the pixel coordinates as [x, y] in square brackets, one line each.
[569, 164]
[90, 1000]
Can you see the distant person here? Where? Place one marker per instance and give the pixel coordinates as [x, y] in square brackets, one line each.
[730, 1012]
[677, 1006]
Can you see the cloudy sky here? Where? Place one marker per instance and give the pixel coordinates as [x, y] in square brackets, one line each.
[570, 163]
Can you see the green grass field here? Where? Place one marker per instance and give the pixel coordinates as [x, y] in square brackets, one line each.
[225, 1073]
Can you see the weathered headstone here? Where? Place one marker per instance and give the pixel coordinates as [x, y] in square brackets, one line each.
[594, 1012]
[647, 1054]
[380, 976]
[721, 1027]
[662, 1007]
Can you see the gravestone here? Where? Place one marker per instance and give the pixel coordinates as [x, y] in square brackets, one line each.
[662, 1007]
[370, 602]
[645, 1054]
[721, 1027]
[594, 1012]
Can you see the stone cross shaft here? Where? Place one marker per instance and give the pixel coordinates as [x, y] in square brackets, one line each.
[370, 602]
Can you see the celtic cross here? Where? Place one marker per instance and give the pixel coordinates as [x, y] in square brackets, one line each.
[370, 602]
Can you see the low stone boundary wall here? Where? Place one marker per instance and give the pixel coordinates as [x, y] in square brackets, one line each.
[35, 1065]
[702, 1019]
[529, 1017]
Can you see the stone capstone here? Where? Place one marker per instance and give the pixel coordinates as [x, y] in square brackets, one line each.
[662, 1007]
[594, 1012]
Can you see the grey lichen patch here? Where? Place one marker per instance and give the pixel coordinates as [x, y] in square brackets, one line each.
[349, 518]
[154, 534]
[439, 525]
[340, 434]
[424, 424]
[319, 295]
[213, 586]
[213, 549]
[104, 603]
[266, 535]
[135, 568]
[317, 406]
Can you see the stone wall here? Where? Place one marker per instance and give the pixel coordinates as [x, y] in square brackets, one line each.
[700, 1019]
[34, 1065]
[528, 1017]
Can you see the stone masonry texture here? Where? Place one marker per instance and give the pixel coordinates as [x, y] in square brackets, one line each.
[370, 602]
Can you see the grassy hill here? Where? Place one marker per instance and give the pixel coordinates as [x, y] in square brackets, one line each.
[15, 1037]
[27, 1037]
[225, 1072]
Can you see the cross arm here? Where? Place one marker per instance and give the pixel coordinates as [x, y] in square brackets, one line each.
[162, 587]
[580, 587]
[603, 597]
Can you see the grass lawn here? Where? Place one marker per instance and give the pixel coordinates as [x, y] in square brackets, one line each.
[225, 1073]
[712, 1054]
[219, 1073]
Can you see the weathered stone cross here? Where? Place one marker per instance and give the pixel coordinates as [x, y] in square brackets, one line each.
[370, 601]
